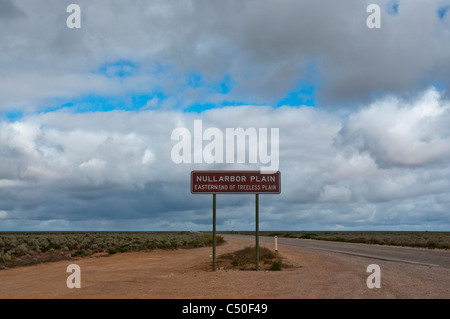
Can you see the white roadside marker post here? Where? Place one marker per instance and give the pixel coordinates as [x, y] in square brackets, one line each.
[276, 244]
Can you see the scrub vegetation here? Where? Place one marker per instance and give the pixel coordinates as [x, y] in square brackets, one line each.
[245, 259]
[26, 248]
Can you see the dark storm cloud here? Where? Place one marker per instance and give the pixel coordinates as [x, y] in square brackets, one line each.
[8, 10]
[267, 48]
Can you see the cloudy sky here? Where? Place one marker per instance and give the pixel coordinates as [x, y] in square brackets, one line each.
[86, 115]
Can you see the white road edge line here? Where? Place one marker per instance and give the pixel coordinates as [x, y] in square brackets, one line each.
[378, 257]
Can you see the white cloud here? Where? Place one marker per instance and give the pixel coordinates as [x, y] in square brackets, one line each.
[395, 132]
[93, 164]
[148, 157]
[373, 169]
[335, 194]
[3, 214]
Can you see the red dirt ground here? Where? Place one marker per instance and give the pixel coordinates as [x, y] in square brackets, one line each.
[186, 274]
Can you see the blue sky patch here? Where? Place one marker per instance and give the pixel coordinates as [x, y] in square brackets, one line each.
[196, 80]
[442, 12]
[13, 115]
[199, 107]
[97, 103]
[120, 69]
[304, 95]
[392, 7]
[227, 84]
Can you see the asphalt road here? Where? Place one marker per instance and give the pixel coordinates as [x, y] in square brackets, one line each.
[418, 256]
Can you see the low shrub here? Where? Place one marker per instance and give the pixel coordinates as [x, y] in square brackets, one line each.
[276, 265]
[245, 259]
[309, 236]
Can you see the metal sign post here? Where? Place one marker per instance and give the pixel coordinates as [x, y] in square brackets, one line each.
[235, 182]
[214, 232]
[257, 230]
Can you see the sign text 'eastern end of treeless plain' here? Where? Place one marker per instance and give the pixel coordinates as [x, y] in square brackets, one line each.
[235, 182]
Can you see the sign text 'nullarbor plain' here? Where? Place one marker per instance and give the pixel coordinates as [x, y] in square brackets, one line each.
[235, 182]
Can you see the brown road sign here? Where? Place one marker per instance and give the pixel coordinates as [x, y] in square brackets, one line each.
[235, 182]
